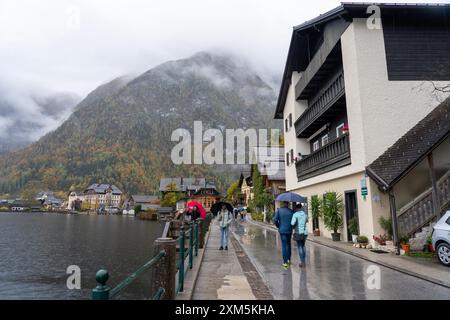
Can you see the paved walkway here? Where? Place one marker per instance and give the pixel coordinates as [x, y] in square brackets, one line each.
[430, 270]
[329, 273]
[221, 275]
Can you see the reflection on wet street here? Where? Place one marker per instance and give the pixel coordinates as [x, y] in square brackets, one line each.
[329, 274]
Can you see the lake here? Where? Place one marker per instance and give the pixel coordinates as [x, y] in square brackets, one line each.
[37, 248]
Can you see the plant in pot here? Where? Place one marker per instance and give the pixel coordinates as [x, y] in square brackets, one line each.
[430, 244]
[353, 228]
[332, 208]
[386, 225]
[404, 243]
[363, 241]
[316, 206]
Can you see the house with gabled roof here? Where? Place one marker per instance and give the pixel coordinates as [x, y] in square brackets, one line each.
[356, 80]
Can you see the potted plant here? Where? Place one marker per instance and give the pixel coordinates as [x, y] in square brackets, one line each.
[430, 244]
[332, 208]
[386, 225]
[353, 228]
[316, 206]
[404, 243]
[363, 241]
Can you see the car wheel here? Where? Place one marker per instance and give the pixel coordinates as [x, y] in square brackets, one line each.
[443, 253]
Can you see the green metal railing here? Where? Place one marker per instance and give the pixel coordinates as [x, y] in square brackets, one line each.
[196, 232]
[103, 292]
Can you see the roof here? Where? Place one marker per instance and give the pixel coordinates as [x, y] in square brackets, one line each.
[144, 198]
[298, 54]
[182, 184]
[102, 187]
[412, 147]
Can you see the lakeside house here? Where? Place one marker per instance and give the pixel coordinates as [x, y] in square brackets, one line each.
[96, 196]
[191, 189]
[145, 201]
[360, 111]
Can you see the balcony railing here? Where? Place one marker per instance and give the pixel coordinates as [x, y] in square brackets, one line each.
[334, 155]
[331, 93]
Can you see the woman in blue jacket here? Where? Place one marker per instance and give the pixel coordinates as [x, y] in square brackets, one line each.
[299, 221]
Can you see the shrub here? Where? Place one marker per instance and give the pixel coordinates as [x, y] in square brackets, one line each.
[353, 225]
[363, 239]
[386, 225]
[332, 208]
[316, 206]
[257, 216]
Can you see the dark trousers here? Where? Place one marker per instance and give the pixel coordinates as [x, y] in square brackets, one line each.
[301, 250]
[286, 246]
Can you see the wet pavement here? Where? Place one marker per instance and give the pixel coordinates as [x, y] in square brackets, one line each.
[329, 274]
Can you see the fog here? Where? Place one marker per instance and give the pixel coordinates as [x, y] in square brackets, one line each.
[51, 47]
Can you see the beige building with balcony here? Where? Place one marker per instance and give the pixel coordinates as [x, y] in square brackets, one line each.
[350, 91]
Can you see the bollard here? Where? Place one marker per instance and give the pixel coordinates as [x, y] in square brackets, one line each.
[191, 243]
[101, 291]
[164, 272]
[181, 262]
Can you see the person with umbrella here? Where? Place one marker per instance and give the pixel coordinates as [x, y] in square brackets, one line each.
[283, 218]
[224, 223]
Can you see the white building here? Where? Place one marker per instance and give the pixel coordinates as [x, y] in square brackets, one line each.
[353, 85]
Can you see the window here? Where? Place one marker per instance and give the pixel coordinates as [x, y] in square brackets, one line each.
[339, 130]
[315, 145]
[287, 158]
[292, 155]
[448, 221]
[286, 124]
[324, 140]
[290, 120]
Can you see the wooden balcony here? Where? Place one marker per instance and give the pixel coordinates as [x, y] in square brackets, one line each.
[334, 155]
[322, 107]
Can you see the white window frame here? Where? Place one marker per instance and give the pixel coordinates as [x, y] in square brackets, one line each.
[325, 137]
[338, 133]
[315, 145]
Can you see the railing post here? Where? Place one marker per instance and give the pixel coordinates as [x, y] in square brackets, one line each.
[196, 238]
[181, 262]
[101, 291]
[191, 243]
[164, 272]
[201, 242]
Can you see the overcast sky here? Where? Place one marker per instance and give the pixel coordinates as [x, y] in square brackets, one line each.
[74, 46]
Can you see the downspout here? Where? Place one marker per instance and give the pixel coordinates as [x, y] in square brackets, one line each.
[394, 221]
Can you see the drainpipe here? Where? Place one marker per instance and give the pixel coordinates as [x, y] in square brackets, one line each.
[394, 221]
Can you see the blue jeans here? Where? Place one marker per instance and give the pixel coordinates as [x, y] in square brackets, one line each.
[286, 246]
[224, 237]
[301, 250]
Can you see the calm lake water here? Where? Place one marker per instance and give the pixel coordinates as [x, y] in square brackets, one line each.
[37, 248]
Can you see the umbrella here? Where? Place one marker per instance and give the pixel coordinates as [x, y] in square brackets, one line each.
[218, 205]
[291, 197]
[199, 206]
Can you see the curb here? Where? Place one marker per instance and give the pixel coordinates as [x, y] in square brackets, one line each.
[384, 264]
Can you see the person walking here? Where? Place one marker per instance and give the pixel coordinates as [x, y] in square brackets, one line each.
[282, 220]
[224, 223]
[299, 222]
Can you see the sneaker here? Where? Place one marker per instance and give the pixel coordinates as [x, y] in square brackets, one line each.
[221, 248]
[285, 265]
[226, 248]
[289, 262]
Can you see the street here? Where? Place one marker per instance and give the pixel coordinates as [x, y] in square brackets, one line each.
[329, 274]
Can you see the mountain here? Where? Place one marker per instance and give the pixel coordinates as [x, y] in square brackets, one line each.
[24, 120]
[121, 132]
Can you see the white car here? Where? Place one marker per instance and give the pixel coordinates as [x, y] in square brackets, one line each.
[441, 239]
